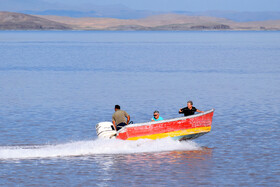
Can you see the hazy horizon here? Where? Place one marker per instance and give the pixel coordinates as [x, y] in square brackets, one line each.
[154, 5]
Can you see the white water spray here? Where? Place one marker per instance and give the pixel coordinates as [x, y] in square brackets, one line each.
[93, 147]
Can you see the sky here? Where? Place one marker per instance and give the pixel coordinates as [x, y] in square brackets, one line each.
[186, 5]
[154, 5]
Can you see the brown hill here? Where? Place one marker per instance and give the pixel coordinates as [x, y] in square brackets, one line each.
[17, 21]
[159, 22]
[164, 22]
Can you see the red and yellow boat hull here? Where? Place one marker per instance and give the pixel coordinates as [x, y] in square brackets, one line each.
[183, 128]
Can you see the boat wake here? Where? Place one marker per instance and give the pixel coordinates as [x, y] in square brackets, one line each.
[93, 147]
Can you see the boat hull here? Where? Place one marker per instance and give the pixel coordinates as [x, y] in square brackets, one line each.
[183, 128]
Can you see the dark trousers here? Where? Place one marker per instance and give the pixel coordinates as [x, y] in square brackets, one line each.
[120, 125]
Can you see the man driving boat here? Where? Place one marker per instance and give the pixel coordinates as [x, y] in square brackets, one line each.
[120, 118]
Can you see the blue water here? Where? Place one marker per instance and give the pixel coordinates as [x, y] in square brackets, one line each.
[55, 86]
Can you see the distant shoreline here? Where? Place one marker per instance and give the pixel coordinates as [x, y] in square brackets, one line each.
[10, 21]
[139, 30]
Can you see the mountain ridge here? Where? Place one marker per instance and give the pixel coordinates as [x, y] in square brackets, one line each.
[85, 8]
[19, 21]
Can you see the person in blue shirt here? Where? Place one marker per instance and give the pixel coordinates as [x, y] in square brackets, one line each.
[156, 116]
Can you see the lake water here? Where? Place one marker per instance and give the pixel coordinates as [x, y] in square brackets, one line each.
[56, 86]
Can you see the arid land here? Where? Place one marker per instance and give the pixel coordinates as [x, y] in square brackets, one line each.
[168, 22]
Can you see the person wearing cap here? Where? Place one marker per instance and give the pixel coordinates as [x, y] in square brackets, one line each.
[156, 116]
[189, 110]
[120, 118]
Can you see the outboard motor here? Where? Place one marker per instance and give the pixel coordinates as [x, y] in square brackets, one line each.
[105, 130]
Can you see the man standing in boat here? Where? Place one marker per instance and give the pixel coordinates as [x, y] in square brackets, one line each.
[120, 118]
[189, 110]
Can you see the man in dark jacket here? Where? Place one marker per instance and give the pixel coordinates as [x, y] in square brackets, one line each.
[189, 110]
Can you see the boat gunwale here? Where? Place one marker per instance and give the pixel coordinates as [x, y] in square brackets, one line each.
[165, 121]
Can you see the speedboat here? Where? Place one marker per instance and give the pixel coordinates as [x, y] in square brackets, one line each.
[182, 128]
